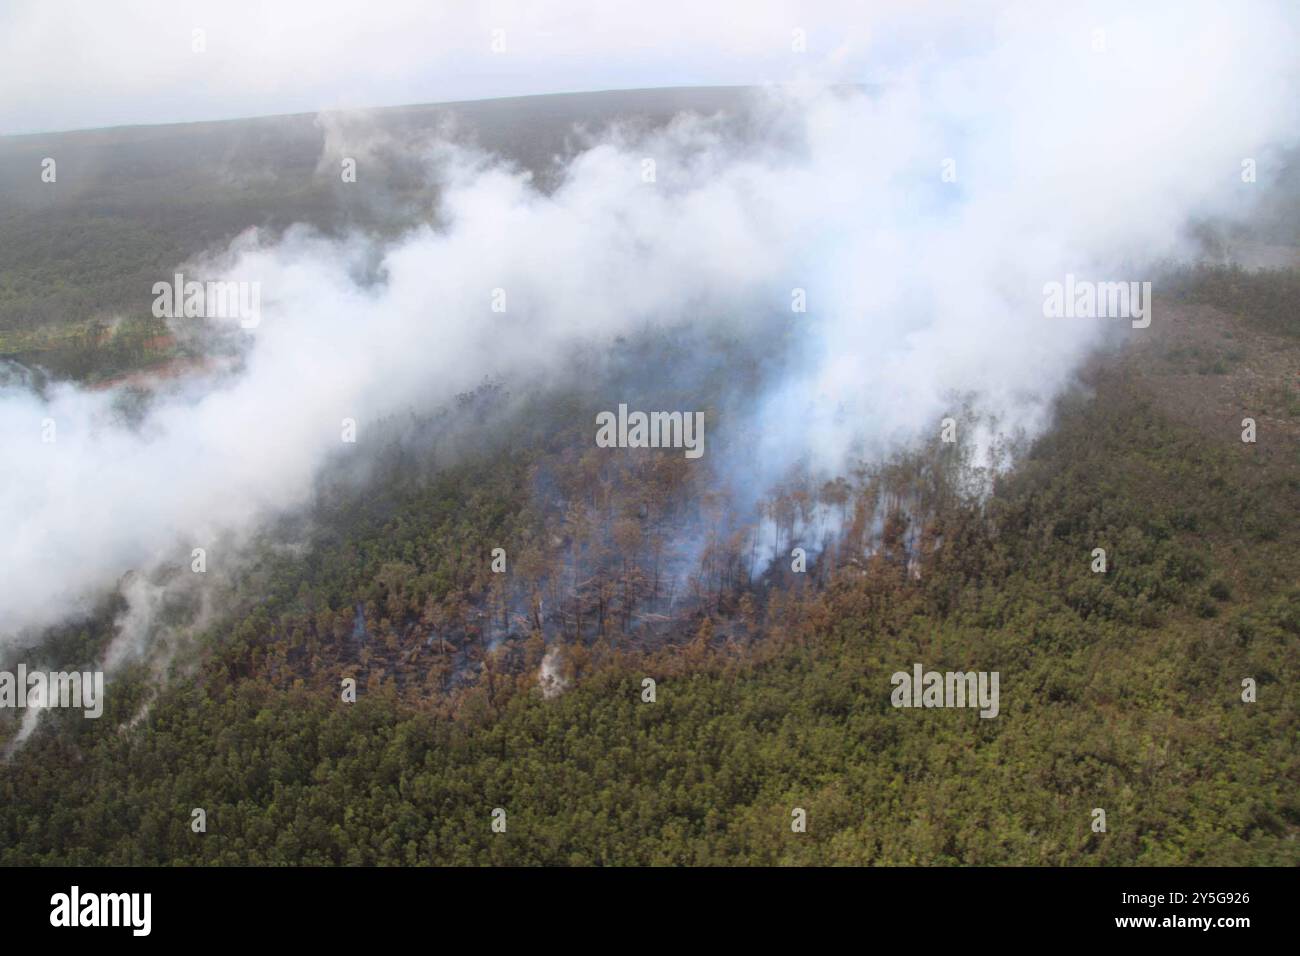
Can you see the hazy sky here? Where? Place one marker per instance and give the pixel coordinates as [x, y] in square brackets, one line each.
[67, 64]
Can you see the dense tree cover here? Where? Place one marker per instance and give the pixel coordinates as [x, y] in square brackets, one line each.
[130, 205]
[1119, 691]
[93, 352]
[1268, 298]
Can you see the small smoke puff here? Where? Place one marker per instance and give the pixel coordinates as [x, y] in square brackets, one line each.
[549, 676]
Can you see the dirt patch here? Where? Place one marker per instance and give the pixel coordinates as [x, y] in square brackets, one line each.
[1209, 369]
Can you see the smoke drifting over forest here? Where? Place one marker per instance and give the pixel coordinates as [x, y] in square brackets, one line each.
[923, 291]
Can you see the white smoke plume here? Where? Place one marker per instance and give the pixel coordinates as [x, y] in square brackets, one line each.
[550, 678]
[1068, 159]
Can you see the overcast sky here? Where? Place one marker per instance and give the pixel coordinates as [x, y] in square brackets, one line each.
[69, 64]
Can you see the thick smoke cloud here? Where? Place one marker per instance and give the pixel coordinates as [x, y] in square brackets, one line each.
[920, 291]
